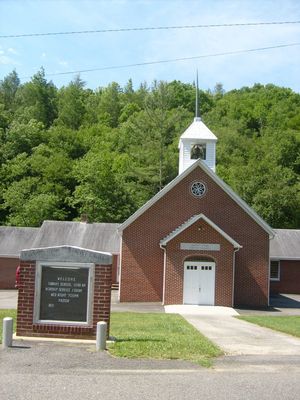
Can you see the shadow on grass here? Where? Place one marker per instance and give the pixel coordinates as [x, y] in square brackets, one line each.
[270, 309]
[140, 340]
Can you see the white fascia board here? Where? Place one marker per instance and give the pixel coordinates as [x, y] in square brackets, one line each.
[217, 180]
[191, 221]
[180, 229]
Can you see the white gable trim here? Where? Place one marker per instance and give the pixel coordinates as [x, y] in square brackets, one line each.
[190, 222]
[217, 180]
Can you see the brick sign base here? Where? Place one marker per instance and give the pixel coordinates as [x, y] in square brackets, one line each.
[101, 306]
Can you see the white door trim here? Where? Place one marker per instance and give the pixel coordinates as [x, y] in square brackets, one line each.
[199, 282]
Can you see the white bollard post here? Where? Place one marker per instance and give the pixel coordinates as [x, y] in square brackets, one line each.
[7, 332]
[101, 335]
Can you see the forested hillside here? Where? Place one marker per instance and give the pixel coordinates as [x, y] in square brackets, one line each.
[72, 151]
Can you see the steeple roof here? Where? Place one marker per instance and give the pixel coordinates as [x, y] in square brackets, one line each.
[198, 131]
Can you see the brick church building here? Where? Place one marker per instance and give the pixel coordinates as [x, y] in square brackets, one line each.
[196, 241]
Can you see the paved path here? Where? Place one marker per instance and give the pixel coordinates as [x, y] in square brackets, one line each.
[8, 299]
[238, 337]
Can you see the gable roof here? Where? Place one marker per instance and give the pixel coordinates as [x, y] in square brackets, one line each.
[199, 164]
[95, 236]
[14, 239]
[286, 244]
[190, 222]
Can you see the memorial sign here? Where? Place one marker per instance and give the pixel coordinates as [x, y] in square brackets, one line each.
[63, 292]
[72, 292]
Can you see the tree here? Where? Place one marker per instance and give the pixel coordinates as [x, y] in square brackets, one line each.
[123, 143]
[8, 89]
[37, 100]
[109, 106]
[101, 195]
[22, 138]
[71, 104]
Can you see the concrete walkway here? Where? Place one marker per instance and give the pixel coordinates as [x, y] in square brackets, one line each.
[8, 299]
[209, 311]
[238, 337]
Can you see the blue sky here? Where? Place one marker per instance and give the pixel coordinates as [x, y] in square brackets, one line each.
[77, 52]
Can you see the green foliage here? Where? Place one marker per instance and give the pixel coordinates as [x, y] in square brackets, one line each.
[68, 151]
[12, 313]
[71, 104]
[287, 324]
[37, 100]
[102, 196]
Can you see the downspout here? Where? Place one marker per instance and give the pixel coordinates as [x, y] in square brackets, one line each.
[164, 274]
[120, 266]
[233, 271]
[269, 266]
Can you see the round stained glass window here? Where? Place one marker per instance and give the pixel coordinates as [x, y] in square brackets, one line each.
[198, 189]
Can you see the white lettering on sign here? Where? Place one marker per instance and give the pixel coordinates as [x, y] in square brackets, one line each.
[200, 246]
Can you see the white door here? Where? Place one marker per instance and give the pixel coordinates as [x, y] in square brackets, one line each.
[199, 282]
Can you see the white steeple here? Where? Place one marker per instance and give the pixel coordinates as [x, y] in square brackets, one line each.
[197, 142]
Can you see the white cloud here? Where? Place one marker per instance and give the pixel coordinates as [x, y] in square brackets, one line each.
[63, 63]
[4, 60]
[12, 51]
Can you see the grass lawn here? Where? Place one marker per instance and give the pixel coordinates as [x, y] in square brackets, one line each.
[287, 324]
[159, 336]
[7, 313]
[156, 336]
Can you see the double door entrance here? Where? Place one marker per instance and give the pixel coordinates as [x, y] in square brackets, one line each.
[199, 282]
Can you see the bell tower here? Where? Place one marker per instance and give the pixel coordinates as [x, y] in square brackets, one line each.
[197, 142]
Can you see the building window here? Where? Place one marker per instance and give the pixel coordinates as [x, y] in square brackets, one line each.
[198, 151]
[275, 271]
[198, 189]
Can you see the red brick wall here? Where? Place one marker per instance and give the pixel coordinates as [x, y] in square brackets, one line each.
[222, 258]
[289, 278]
[101, 306]
[142, 258]
[8, 268]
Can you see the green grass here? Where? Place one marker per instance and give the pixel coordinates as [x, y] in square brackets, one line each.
[288, 324]
[7, 313]
[159, 336]
[153, 336]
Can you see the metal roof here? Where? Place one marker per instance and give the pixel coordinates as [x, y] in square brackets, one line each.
[198, 130]
[104, 237]
[14, 239]
[96, 236]
[286, 244]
